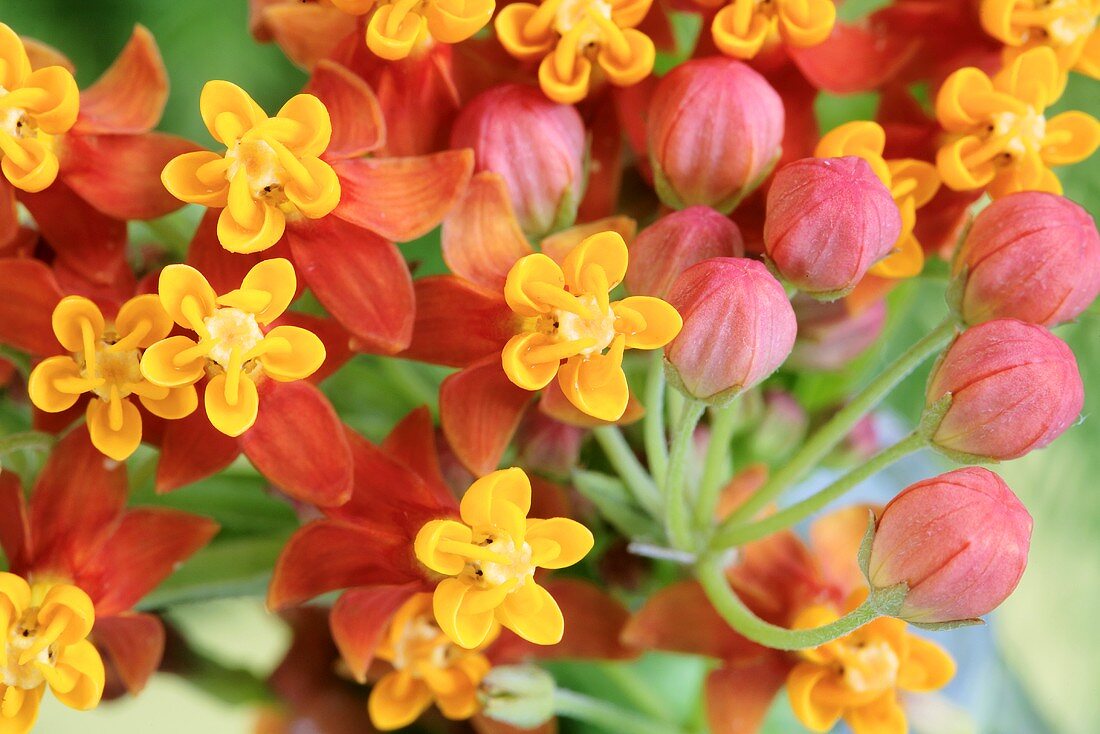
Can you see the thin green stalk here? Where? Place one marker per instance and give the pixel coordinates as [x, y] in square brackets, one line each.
[742, 620]
[729, 536]
[718, 465]
[634, 688]
[626, 464]
[607, 715]
[656, 446]
[32, 440]
[840, 425]
[675, 487]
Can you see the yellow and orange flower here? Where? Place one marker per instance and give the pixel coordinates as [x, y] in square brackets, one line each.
[572, 35]
[911, 182]
[998, 135]
[1068, 27]
[744, 27]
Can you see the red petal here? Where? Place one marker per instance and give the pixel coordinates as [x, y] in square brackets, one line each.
[86, 240]
[30, 294]
[777, 577]
[327, 555]
[130, 96]
[480, 410]
[481, 237]
[402, 198]
[458, 322]
[359, 277]
[9, 218]
[298, 443]
[360, 618]
[605, 177]
[357, 123]
[739, 697]
[225, 270]
[143, 550]
[680, 618]
[594, 622]
[854, 58]
[131, 645]
[108, 295]
[412, 442]
[337, 340]
[307, 32]
[120, 174]
[58, 423]
[77, 499]
[14, 531]
[192, 449]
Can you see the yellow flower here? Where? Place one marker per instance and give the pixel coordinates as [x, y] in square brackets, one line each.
[232, 349]
[568, 35]
[998, 135]
[912, 183]
[104, 359]
[857, 678]
[271, 169]
[397, 28]
[45, 629]
[742, 28]
[35, 107]
[427, 667]
[1068, 27]
[491, 557]
[568, 315]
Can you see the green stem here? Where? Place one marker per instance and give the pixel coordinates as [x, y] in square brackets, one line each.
[634, 688]
[742, 620]
[32, 440]
[675, 487]
[718, 467]
[656, 448]
[841, 424]
[626, 464]
[607, 715]
[729, 536]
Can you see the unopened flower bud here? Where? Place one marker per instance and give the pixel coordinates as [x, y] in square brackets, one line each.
[715, 129]
[1004, 388]
[1031, 256]
[738, 328]
[830, 336]
[547, 445]
[959, 541]
[828, 220]
[536, 145]
[674, 243]
[520, 695]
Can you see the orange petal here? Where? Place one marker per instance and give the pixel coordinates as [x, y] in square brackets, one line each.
[360, 618]
[482, 239]
[480, 410]
[358, 126]
[457, 322]
[130, 96]
[30, 295]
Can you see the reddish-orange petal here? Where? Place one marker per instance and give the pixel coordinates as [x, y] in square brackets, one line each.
[9, 219]
[834, 540]
[358, 126]
[43, 55]
[299, 444]
[855, 58]
[738, 697]
[402, 198]
[14, 532]
[360, 618]
[131, 94]
[412, 442]
[191, 449]
[458, 322]
[307, 32]
[480, 410]
[30, 294]
[131, 645]
[481, 237]
[359, 277]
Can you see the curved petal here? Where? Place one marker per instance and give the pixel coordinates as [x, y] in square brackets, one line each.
[78, 677]
[360, 618]
[661, 322]
[228, 111]
[177, 284]
[738, 697]
[884, 716]
[30, 295]
[144, 319]
[303, 356]
[274, 278]
[358, 126]
[532, 614]
[604, 250]
[299, 444]
[558, 542]
[495, 499]
[307, 32]
[1070, 137]
[398, 700]
[224, 270]
[457, 322]
[41, 384]
[130, 96]
[197, 177]
[480, 410]
[179, 403]
[235, 417]
[402, 198]
[311, 134]
[520, 370]
[132, 646]
[115, 428]
[192, 449]
[481, 238]
[928, 667]
[812, 713]
[597, 385]
[466, 629]
[159, 367]
[529, 279]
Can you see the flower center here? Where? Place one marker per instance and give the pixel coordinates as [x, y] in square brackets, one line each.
[505, 563]
[261, 167]
[1022, 134]
[15, 121]
[573, 13]
[870, 667]
[113, 370]
[599, 329]
[23, 636]
[423, 645]
[232, 329]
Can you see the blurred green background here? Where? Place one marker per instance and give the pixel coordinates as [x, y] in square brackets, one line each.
[1037, 672]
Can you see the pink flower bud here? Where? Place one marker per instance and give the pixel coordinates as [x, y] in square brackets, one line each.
[1031, 256]
[1014, 388]
[715, 129]
[959, 541]
[547, 445]
[536, 145]
[828, 220]
[738, 327]
[674, 243]
[829, 336]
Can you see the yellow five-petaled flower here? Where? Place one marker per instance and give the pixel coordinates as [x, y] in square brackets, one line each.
[569, 35]
[1068, 27]
[743, 27]
[398, 28]
[232, 348]
[44, 643]
[271, 169]
[572, 330]
[35, 107]
[104, 359]
[912, 183]
[999, 137]
[491, 557]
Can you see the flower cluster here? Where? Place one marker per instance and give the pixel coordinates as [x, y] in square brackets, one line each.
[642, 261]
